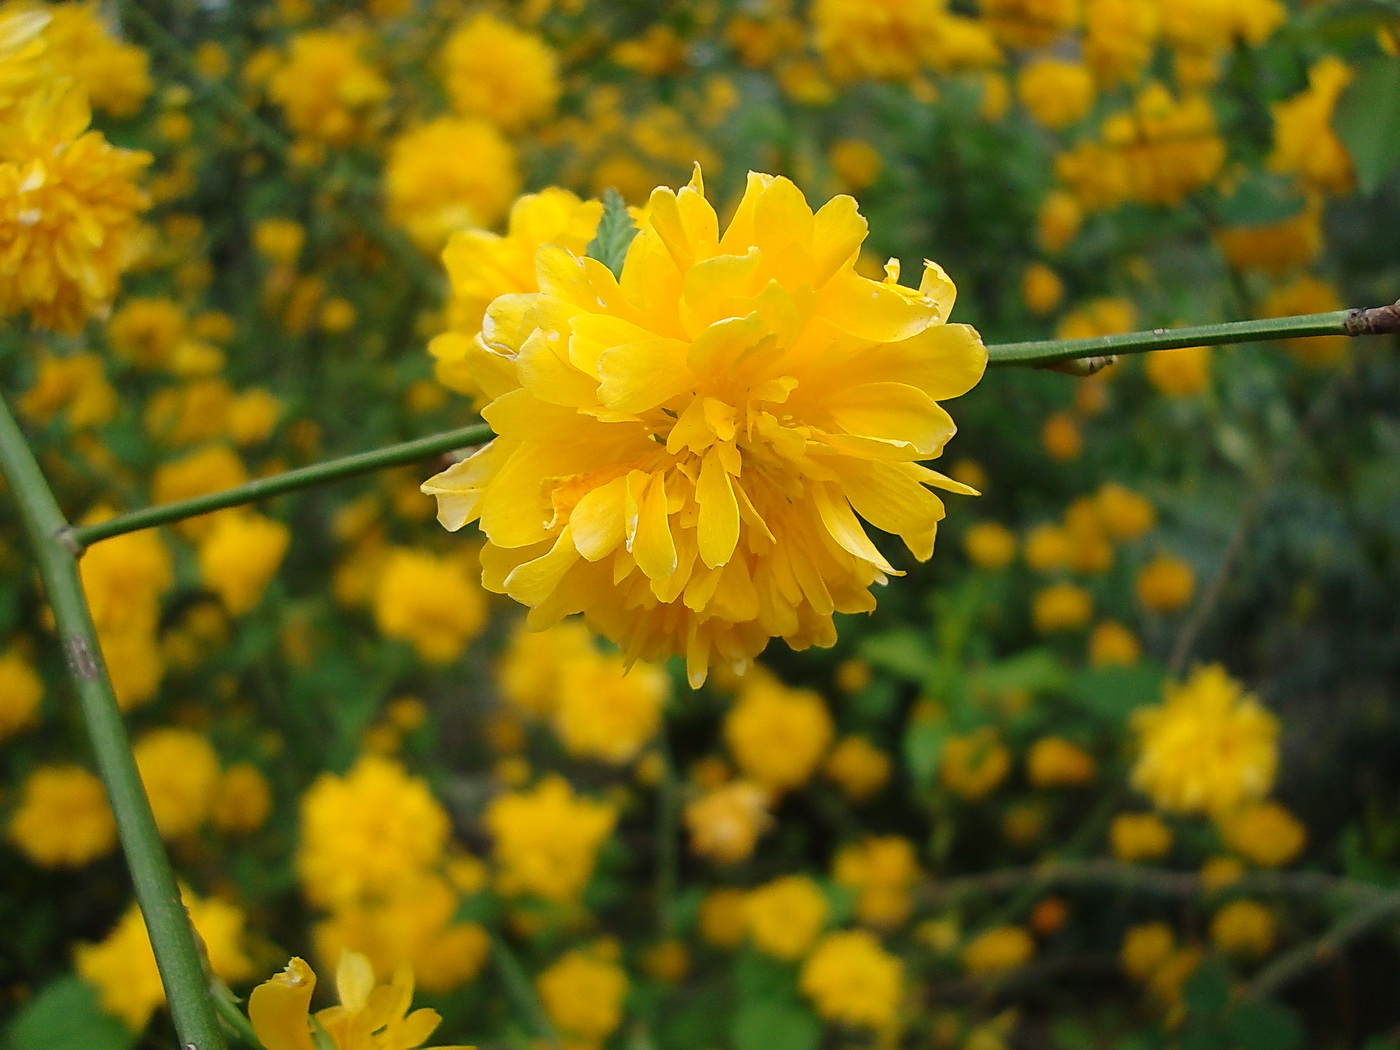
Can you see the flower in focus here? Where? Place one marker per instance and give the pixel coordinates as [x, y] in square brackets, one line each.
[725, 823]
[608, 711]
[367, 832]
[1208, 748]
[499, 73]
[852, 980]
[583, 996]
[432, 193]
[547, 840]
[367, 1016]
[63, 819]
[328, 93]
[997, 950]
[681, 456]
[785, 916]
[429, 602]
[122, 966]
[68, 211]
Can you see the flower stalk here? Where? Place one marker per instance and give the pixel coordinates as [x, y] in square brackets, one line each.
[178, 954]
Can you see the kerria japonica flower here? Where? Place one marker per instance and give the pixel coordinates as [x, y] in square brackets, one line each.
[684, 454]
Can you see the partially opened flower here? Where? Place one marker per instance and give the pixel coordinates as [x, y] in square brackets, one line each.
[682, 453]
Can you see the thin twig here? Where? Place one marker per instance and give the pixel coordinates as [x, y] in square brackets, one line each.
[1367, 916]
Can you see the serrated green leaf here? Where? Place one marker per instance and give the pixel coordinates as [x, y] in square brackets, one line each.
[615, 232]
[64, 1015]
[1366, 119]
[775, 1026]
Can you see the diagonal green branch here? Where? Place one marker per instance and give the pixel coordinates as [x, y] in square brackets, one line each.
[177, 951]
[290, 481]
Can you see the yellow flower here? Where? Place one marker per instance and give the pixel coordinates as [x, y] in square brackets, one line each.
[1119, 38]
[785, 916]
[1030, 23]
[1061, 437]
[1048, 548]
[367, 1018]
[723, 920]
[180, 772]
[852, 980]
[1165, 584]
[1139, 836]
[1208, 748]
[432, 194]
[1061, 607]
[505, 75]
[876, 39]
[123, 966]
[777, 735]
[367, 832]
[279, 239]
[206, 470]
[547, 840]
[998, 950]
[1244, 928]
[725, 823]
[79, 45]
[253, 416]
[243, 799]
[1146, 948]
[329, 95]
[1184, 372]
[583, 994]
[1057, 93]
[146, 331]
[1307, 294]
[855, 162]
[975, 763]
[530, 671]
[1058, 221]
[68, 207]
[1276, 248]
[1042, 289]
[1304, 142]
[414, 926]
[1113, 645]
[1218, 873]
[858, 768]
[607, 711]
[238, 557]
[429, 602]
[1055, 762]
[1264, 833]
[482, 265]
[21, 689]
[22, 54]
[680, 463]
[63, 820]
[882, 871]
[1126, 515]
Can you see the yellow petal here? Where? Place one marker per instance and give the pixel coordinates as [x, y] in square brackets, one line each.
[717, 531]
[938, 286]
[653, 546]
[458, 488]
[838, 231]
[894, 412]
[278, 1008]
[354, 980]
[845, 528]
[532, 582]
[639, 376]
[597, 520]
[889, 496]
[873, 310]
[544, 368]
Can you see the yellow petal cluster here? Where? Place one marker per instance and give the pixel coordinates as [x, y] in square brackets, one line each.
[785, 916]
[852, 980]
[63, 819]
[499, 73]
[582, 994]
[180, 772]
[682, 453]
[69, 202]
[882, 870]
[777, 734]
[1208, 748]
[328, 93]
[546, 840]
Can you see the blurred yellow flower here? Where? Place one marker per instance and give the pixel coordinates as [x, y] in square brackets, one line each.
[530, 671]
[1061, 437]
[975, 763]
[606, 710]
[1058, 221]
[1305, 144]
[1057, 93]
[180, 772]
[1061, 607]
[876, 39]
[759, 347]
[1165, 584]
[239, 556]
[502, 74]
[725, 823]
[723, 920]
[989, 545]
[367, 832]
[1264, 833]
[1055, 762]
[80, 45]
[1146, 948]
[1113, 645]
[63, 819]
[1119, 38]
[21, 689]
[1244, 928]
[1184, 372]
[883, 871]
[1306, 294]
[1127, 515]
[69, 202]
[777, 734]
[546, 840]
[1041, 289]
[1030, 23]
[853, 981]
[785, 916]
[328, 93]
[122, 966]
[582, 994]
[1139, 836]
[146, 330]
[1208, 748]
[998, 950]
[429, 602]
[855, 162]
[432, 194]
[242, 801]
[858, 768]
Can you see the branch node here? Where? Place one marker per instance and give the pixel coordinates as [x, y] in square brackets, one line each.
[1080, 366]
[69, 541]
[1374, 320]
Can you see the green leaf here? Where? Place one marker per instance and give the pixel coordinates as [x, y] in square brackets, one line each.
[1261, 198]
[1033, 671]
[1365, 120]
[760, 978]
[923, 749]
[775, 1026]
[1207, 992]
[1264, 1026]
[903, 652]
[64, 1015]
[1115, 692]
[615, 232]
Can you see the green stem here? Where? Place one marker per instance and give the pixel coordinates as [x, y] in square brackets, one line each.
[668, 820]
[177, 951]
[289, 481]
[1049, 351]
[521, 993]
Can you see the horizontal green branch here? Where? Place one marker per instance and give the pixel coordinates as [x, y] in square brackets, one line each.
[1378, 320]
[289, 481]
